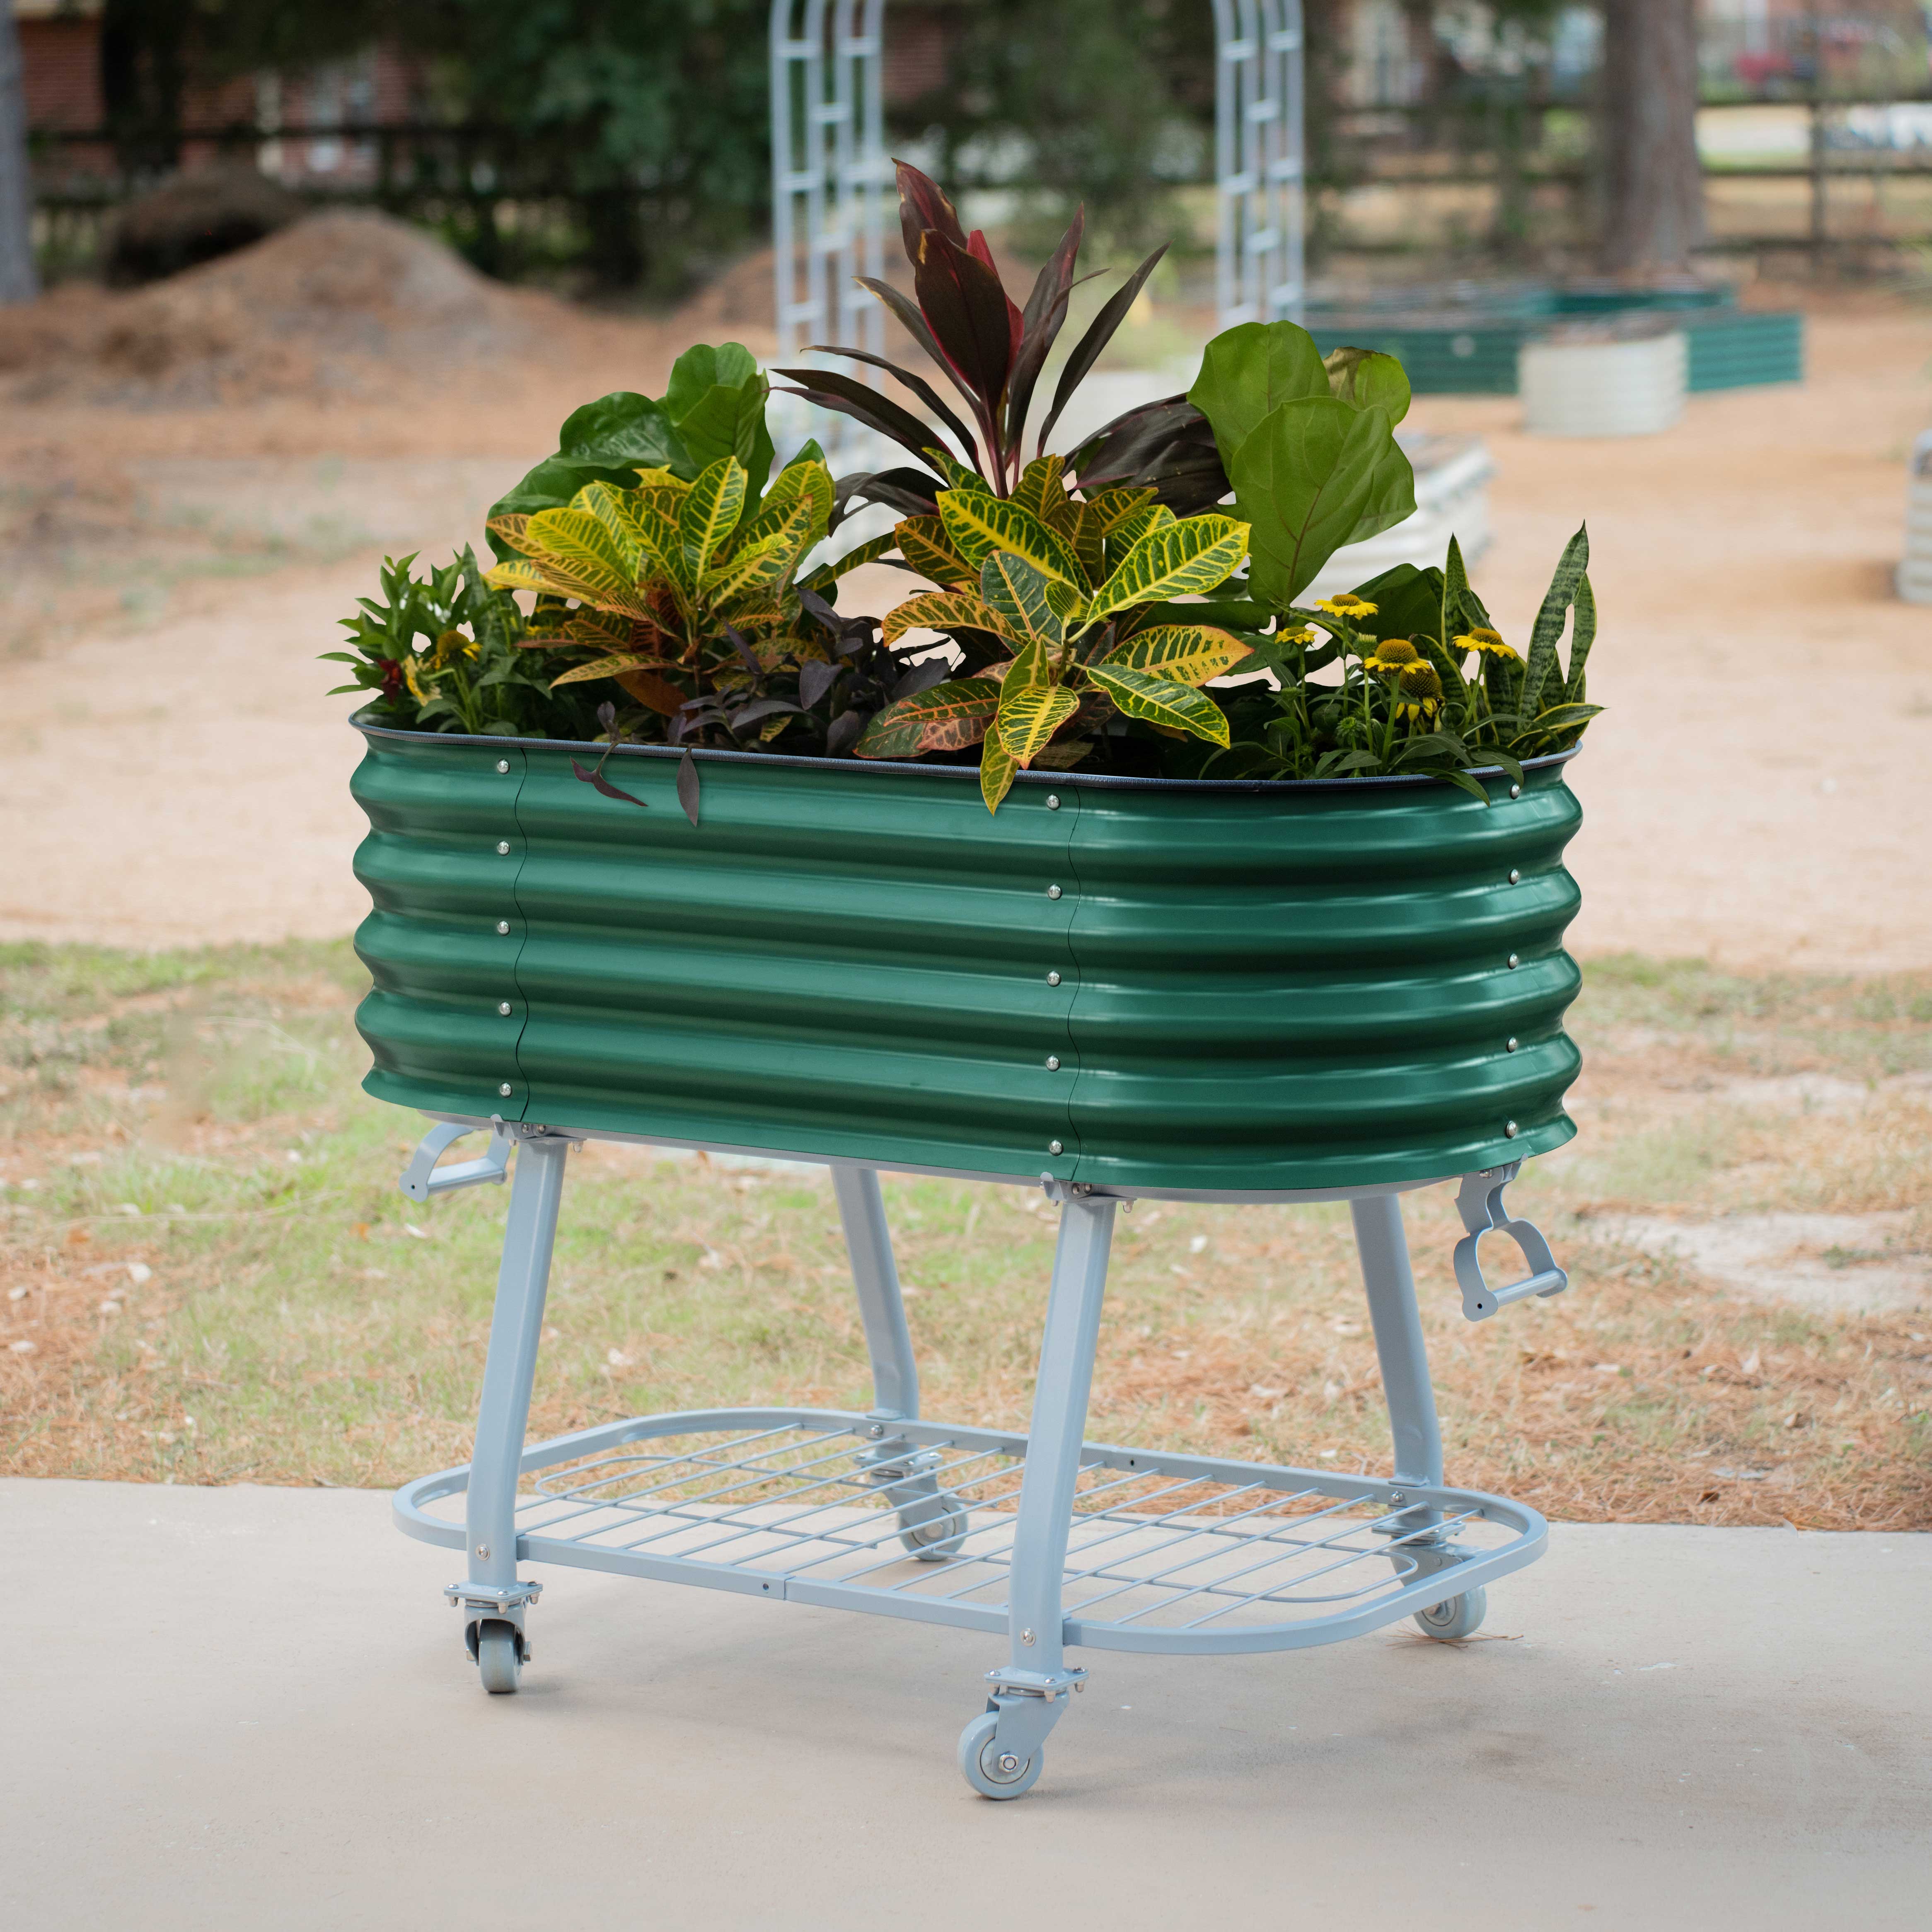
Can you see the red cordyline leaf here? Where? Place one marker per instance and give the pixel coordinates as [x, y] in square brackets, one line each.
[965, 308]
[923, 205]
[977, 247]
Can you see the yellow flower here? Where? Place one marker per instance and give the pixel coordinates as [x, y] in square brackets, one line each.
[1392, 654]
[416, 690]
[1346, 605]
[1482, 639]
[1302, 634]
[1419, 692]
[451, 644]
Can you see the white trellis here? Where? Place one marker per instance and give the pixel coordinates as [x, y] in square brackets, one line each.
[830, 174]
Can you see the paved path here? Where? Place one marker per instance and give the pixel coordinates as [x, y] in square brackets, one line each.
[247, 1708]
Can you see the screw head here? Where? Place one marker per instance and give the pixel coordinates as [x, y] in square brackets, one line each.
[1516, 877]
[1509, 1045]
[503, 1007]
[1514, 962]
[1515, 791]
[503, 764]
[1026, 1636]
[1053, 978]
[1053, 892]
[502, 926]
[503, 846]
[506, 1090]
[877, 1430]
[1510, 1130]
[483, 1549]
[1053, 1062]
[1053, 801]
[1053, 1146]
[1008, 1763]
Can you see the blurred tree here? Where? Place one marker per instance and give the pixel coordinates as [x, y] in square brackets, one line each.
[651, 115]
[19, 283]
[1653, 214]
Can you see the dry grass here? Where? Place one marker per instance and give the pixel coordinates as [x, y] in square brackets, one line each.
[204, 1249]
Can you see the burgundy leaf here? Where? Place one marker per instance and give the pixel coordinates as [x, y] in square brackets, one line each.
[757, 712]
[923, 205]
[687, 786]
[1168, 445]
[918, 385]
[981, 250]
[850, 397]
[843, 731]
[921, 677]
[604, 785]
[914, 324]
[964, 304]
[748, 657]
[1099, 333]
[814, 680]
[915, 492]
[1045, 312]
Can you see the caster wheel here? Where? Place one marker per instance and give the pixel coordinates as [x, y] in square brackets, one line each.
[1454, 1617]
[991, 1773]
[938, 1536]
[498, 1658]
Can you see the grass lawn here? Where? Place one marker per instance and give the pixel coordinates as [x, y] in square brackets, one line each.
[210, 1276]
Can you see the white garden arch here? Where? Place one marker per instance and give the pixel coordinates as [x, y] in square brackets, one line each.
[831, 178]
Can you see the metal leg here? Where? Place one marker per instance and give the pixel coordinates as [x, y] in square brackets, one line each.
[931, 1521]
[492, 1593]
[1031, 1692]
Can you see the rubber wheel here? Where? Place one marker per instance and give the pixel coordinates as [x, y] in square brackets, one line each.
[1454, 1617]
[498, 1658]
[979, 1764]
[937, 1537]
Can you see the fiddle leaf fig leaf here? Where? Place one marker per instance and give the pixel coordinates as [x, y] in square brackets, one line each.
[1248, 372]
[1366, 377]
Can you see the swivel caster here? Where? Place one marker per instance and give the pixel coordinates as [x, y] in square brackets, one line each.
[935, 1537]
[1454, 1616]
[499, 1657]
[991, 1771]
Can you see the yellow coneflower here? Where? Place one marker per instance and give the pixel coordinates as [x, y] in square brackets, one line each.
[1347, 605]
[1482, 639]
[1419, 692]
[1392, 654]
[451, 644]
[1301, 634]
[416, 690]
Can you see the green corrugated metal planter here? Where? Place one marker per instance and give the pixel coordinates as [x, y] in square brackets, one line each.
[1733, 349]
[1234, 987]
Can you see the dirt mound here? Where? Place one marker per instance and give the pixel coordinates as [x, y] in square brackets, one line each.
[197, 218]
[340, 303]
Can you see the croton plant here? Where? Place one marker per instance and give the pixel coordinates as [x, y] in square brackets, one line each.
[1133, 606]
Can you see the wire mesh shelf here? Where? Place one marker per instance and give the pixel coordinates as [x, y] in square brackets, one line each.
[917, 1519]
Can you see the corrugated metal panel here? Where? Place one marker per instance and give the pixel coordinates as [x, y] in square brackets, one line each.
[1259, 988]
[1745, 351]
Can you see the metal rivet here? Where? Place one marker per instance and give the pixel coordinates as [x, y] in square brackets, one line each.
[1514, 962]
[503, 846]
[1026, 1636]
[1053, 1146]
[1053, 892]
[506, 1090]
[483, 1549]
[503, 1007]
[1052, 801]
[1053, 1062]
[1053, 978]
[1515, 791]
[503, 764]
[1509, 1130]
[1511, 1045]
[502, 926]
[1516, 877]
[877, 1430]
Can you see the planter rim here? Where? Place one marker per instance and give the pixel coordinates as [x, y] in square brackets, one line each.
[1110, 781]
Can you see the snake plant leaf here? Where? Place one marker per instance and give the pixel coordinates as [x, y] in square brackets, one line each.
[1365, 376]
[1583, 635]
[948, 717]
[1029, 715]
[945, 610]
[1017, 594]
[1042, 488]
[980, 525]
[1304, 479]
[710, 510]
[1549, 731]
[1159, 701]
[1182, 653]
[1541, 664]
[1247, 373]
[1099, 332]
[1174, 559]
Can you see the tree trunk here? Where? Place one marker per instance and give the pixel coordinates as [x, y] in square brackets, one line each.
[1654, 213]
[19, 283]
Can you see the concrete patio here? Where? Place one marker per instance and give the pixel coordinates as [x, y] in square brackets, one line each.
[248, 1708]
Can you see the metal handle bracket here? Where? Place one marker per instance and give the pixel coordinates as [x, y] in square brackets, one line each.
[422, 1177]
[1480, 1202]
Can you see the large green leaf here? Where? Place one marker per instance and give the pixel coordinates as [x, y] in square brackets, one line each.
[1159, 701]
[716, 404]
[1181, 653]
[624, 427]
[1176, 559]
[1248, 372]
[1408, 601]
[1017, 593]
[980, 525]
[1307, 477]
[1366, 377]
